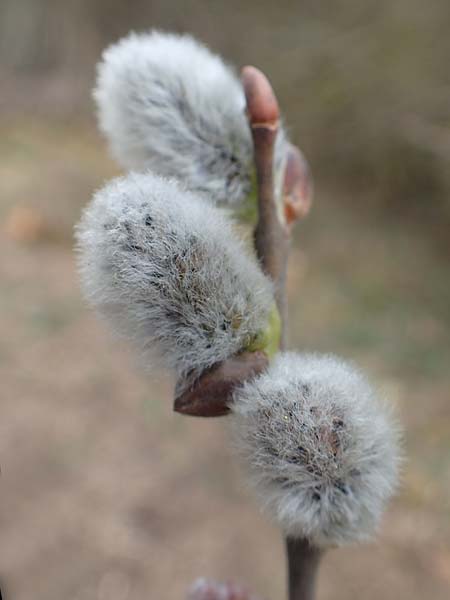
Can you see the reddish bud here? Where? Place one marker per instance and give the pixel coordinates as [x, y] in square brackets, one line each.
[210, 395]
[298, 188]
[262, 105]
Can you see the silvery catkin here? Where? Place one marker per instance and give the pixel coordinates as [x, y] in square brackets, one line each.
[320, 448]
[166, 269]
[168, 104]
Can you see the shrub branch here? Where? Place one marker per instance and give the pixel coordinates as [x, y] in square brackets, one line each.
[272, 248]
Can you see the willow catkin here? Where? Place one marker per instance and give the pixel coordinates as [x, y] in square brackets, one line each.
[167, 270]
[166, 103]
[320, 447]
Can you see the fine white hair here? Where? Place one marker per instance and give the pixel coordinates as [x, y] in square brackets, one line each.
[168, 271]
[321, 449]
[166, 103]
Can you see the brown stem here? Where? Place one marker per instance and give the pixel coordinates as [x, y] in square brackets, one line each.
[271, 235]
[272, 248]
[303, 562]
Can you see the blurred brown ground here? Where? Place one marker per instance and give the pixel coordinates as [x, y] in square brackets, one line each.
[104, 493]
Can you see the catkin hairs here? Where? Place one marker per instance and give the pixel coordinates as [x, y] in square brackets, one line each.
[320, 448]
[168, 272]
[166, 103]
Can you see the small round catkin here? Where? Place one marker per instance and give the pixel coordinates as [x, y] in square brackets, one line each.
[167, 103]
[168, 272]
[320, 448]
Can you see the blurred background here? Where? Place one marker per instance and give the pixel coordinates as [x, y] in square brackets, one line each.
[105, 493]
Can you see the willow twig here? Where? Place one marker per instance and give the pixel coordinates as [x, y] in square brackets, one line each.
[272, 248]
[271, 235]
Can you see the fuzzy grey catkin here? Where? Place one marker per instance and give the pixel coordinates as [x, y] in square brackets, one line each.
[167, 270]
[321, 449]
[166, 103]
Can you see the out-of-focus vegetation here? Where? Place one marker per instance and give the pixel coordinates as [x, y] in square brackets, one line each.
[104, 492]
[365, 85]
